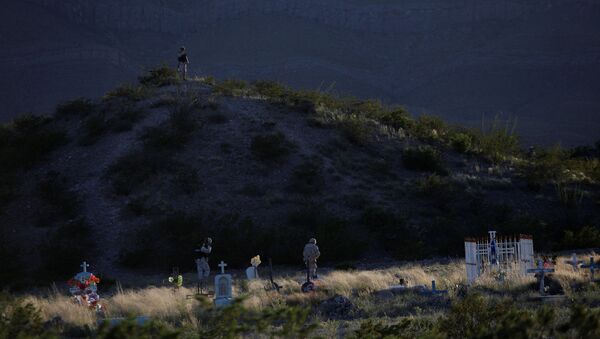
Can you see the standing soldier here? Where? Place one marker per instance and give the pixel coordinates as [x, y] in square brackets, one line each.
[182, 63]
[311, 254]
[202, 261]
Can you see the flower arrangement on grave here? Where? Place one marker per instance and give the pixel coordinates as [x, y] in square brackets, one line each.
[255, 261]
[176, 280]
[84, 289]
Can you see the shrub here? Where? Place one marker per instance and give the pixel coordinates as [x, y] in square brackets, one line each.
[21, 321]
[65, 248]
[128, 92]
[429, 128]
[461, 142]
[307, 178]
[131, 171]
[129, 328]
[217, 118]
[231, 87]
[270, 89]
[423, 159]
[396, 118]
[186, 179]
[270, 147]
[159, 77]
[126, 118]
[392, 232]
[586, 237]
[79, 107]
[356, 129]
[175, 133]
[94, 127]
[27, 140]
[64, 202]
[497, 143]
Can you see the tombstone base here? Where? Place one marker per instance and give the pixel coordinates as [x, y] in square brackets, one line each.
[221, 302]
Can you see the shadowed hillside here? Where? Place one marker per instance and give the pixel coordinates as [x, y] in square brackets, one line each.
[137, 178]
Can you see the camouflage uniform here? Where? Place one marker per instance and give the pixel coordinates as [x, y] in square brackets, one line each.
[311, 254]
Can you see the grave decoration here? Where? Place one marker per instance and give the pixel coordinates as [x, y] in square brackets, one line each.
[498, 254]
[592, 266]
[274, 286]
[223, 287]
[84, 288]
[574, 262]
[176, 279]
[540, 273]
[252, 271]
[434, 291]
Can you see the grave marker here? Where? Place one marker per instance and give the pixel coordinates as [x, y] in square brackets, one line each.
[223, 287]
[540, 271]
[498, 253]
[574, 262]
[592, 266]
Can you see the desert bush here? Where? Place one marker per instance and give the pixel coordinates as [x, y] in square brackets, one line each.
[585, 237]
[392, 232]
[429, 128]
[497, 143]
[129, 328]
[423, 159]
[27, 140]
[93, 128]
[132, 170]
[159, 77]
[356, 129]
[307, 178]
[174, 133]
[461, 142]
[126, 118]
[80, 107]
[64, 203]
[128, 92]
[270, 89]
[64, 249]
[270, 147]
[21, 321]
[546, 167]
[396, 118]
[231, 87]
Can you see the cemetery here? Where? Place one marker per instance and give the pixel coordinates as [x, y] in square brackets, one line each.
[340, 301]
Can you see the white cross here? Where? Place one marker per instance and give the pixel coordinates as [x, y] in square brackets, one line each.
[84, 265]
[222, 265]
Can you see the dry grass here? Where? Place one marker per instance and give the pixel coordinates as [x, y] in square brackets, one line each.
[176, 308]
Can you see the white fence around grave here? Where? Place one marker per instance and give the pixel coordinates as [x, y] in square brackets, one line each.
[503, 253]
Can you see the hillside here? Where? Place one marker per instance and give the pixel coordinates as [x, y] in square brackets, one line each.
[134, 180]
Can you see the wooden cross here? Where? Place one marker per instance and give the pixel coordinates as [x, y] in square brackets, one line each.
[541, 271]
[574, 262]
[222, 265]
[84, 265]
[592, 266]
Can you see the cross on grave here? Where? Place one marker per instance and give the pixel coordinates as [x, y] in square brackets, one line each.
[84, 266]
[541, 271]
[574, 262]
[592, 266]
[222, 265]
[434, 290]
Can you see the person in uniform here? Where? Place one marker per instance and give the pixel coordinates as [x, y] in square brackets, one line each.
[311, 254]
[182, 63]
[202, 259]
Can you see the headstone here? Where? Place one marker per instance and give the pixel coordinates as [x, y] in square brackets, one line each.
[223, 287]
[540, 272]
[252, 271]
[592, 266]
[83, 287]
[574, 262]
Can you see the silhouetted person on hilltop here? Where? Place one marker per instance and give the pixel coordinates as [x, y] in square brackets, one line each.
[183, 62]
